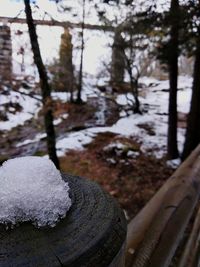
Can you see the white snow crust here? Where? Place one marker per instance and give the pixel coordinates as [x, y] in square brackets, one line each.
[31, 189]
[30, 108]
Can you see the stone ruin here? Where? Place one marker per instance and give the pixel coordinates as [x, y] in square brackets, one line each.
[5, 53]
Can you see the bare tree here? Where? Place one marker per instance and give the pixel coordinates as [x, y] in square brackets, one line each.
[133, 71]
[80, 79]
[45, 88]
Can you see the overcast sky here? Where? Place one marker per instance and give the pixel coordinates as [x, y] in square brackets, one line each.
[48, 9]
[11, 8]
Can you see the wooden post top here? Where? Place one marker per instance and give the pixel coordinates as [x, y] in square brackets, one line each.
[91, 235]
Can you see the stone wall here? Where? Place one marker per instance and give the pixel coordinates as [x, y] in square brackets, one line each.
[5, 52]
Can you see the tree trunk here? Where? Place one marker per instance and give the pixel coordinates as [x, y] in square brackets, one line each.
[80, 82]
[193, 123]
[45, 88]
[172, 148]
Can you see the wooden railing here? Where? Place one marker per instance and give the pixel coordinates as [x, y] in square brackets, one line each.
[155, 233]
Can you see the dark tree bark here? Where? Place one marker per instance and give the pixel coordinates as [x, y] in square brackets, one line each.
[193, 124]
[80, 80]
[172, 148]
[45, 88]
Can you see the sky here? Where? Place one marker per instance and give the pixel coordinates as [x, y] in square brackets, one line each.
[12, 8]
[48, 9]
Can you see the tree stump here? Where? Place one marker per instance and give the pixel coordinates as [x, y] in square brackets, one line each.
[91, 235]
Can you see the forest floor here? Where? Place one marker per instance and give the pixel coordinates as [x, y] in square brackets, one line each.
[132, 181]
[116, 162]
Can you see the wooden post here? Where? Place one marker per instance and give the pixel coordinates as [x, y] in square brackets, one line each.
[91, 235]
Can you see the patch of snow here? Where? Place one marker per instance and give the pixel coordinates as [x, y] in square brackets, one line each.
[30, 108]
[37, 138]
[32, 189]
[147, 81]
[122, 114]
[116, 145]
[125, 99]
[62, 96]
[26, 142]
[111, 161]
[174, 163]
[65, 116]
[119, 148]
[100, 113]
[57, 121]
[75, 140]
[184, 97]
[181, 138]
[133, 154]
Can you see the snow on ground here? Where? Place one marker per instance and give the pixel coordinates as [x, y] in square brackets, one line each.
[150, 129]
[37, 138]
[153, 142]
[29, 105]
[75, 140]
[156, 105]
[97, 50]
[32, 189]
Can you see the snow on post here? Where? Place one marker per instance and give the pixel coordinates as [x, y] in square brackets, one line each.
[32, 189]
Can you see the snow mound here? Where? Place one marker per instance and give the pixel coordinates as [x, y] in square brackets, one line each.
[32, 189]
